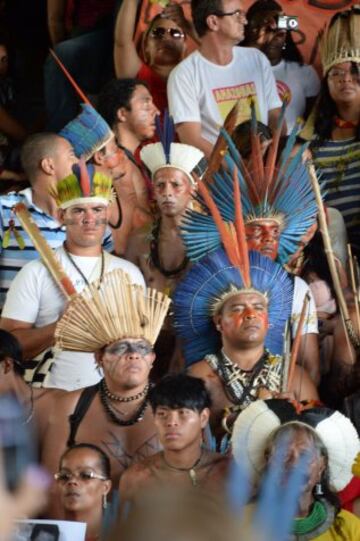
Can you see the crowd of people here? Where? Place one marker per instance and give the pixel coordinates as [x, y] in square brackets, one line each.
[179, 280]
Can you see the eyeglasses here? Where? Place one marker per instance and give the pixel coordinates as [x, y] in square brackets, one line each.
[121, 348]
[239, 13]
[159, 33]
[340, 75]
[82, 475]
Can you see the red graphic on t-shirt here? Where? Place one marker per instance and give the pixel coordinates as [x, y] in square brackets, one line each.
[283, 91]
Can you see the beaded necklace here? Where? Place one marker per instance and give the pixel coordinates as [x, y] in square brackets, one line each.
[114, 417]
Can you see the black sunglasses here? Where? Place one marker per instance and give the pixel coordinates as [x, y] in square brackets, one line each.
[159, 33]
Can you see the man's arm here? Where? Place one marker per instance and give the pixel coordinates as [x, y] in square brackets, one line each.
[190, 134]
[32, 340]
[302, 386]
[309, 356]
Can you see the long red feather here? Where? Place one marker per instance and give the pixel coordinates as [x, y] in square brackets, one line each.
[70, 78]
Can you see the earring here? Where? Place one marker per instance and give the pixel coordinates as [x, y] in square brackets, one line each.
[318, 491]
[104, 501]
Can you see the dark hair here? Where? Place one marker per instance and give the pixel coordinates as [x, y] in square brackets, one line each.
[104, 459]
[324, 115]
[241, 136]
[115, 94]
[200, 10]
[52, 529]
[291, 53]
[180, 391]
[10, 347]
[35, 148]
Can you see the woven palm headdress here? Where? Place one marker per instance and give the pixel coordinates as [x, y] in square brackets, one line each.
[341, 40]
[110, 310]
[222, 274]
[277, 190]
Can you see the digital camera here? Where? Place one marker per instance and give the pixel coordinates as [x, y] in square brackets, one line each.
[287, 22]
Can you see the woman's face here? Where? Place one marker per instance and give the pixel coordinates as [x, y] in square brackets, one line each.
[78, 491]
[344, 83]
[164, 43]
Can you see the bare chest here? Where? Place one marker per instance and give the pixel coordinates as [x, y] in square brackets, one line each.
[123, 444]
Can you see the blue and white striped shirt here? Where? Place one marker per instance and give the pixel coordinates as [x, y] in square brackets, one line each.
[339, 165]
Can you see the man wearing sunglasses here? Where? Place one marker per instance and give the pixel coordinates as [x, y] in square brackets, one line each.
[204, 87]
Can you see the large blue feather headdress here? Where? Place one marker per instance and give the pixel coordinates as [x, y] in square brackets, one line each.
[222, 274]
[214, 278]
[281, 192]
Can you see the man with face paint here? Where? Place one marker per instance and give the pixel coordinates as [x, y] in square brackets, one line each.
[128, 107]
[161, 254]
[121, 322]
[93, 140]
[227, 305]
[34, 302]
[159, 251]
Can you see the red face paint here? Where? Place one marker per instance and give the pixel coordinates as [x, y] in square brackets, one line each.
[263, 236]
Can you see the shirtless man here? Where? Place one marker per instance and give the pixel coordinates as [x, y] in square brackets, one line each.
[181, 410]
[243, 324]
[121, 325]
[127, 106]
[112, 414]
[160, 254]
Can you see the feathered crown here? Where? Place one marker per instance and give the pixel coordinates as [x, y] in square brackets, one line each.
[186, 158]
[279, 191]
[110, 310]
[255, 425]
[341, 39]
[88, 132]
[225, 273]
[84, 185]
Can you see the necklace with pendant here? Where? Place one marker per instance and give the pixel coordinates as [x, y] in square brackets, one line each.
[191, 471]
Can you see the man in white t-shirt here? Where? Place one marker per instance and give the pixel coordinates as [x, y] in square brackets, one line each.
[203, 88]
[35, 302]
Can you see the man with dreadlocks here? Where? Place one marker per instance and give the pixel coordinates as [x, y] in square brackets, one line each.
[279, 209]
[224, 309]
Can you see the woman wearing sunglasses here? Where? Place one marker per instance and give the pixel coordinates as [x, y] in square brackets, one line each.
[163, 47]
[83, 483]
